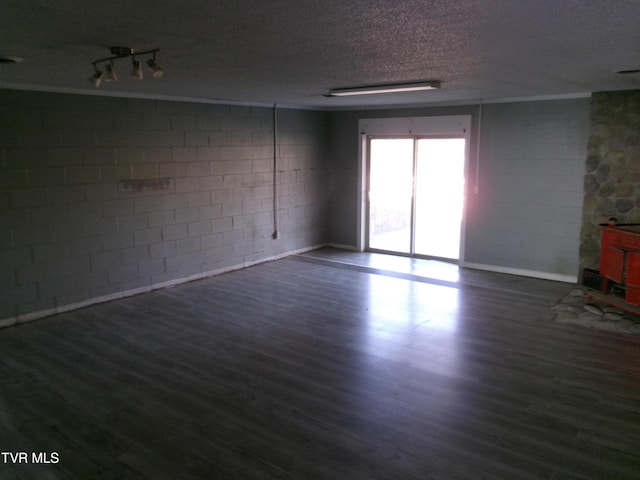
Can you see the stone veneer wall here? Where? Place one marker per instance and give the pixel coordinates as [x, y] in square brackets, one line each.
[612, 179]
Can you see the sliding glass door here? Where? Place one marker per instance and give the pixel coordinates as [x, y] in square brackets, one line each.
[416, 195]
[390, 194]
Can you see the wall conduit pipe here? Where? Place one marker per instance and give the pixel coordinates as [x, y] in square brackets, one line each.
[276, 231]
[476, 186]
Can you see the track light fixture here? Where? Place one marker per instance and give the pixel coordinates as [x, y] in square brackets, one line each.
[110, 74]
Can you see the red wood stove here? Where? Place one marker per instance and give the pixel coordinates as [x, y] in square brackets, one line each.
[620, 263]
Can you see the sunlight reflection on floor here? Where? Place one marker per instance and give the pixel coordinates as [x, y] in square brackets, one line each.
[414, 311]
[399, 304]
[404, 313]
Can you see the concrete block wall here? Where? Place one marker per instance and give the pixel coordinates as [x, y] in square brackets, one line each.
[527, 213]
[102, 197]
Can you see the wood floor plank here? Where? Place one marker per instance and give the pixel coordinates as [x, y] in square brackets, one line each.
[310, 367]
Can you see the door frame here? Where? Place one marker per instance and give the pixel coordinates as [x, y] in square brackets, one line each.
[432, 126]
[413, 208]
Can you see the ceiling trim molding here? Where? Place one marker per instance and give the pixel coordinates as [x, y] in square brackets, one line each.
[539, 98]
[144, 96]
[218, 101]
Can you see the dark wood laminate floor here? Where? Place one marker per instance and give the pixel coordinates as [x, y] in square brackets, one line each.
[329, 365]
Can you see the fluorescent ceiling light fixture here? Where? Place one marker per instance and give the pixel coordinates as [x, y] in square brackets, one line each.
[390, 88]
[8, 59]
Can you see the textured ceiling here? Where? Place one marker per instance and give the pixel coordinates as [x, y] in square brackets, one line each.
[291, 52]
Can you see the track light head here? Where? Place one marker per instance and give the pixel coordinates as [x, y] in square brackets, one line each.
[156, 71]
[110, 75]
[96, 78]
[136, 71]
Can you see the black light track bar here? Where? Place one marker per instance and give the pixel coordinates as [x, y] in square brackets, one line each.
[123, 52]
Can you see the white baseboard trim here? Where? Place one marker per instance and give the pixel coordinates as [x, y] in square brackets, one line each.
[522, 272]
[31, 316]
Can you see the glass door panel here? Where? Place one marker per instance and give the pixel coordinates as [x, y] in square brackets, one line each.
[390, 194]
[439, 196]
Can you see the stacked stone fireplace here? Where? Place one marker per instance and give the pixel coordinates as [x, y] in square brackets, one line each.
[612, 178]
